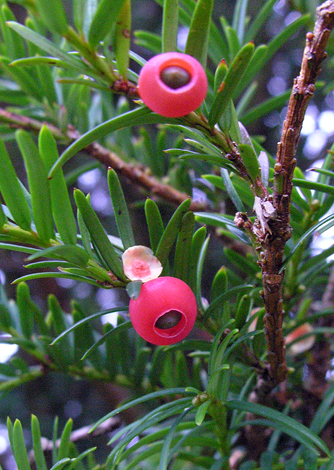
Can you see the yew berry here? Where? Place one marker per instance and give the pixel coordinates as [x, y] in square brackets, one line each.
[165, 311]
[172, 84]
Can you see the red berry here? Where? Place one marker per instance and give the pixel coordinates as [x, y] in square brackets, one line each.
[172, 84]
[165, 311]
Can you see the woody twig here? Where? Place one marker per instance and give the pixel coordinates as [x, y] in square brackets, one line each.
[277, 232]
[135, 173]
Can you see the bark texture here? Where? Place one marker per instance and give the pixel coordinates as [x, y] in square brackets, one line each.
[277, 231]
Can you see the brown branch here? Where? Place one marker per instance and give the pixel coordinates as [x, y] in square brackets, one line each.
[327, 300]
[78, 435]
[319, 363]
[138, 175]
[273, 239]
[18, 121]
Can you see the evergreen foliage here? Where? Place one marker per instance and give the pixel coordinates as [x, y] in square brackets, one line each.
[68, 94]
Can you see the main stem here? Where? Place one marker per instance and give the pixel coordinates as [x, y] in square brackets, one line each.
[272, 244]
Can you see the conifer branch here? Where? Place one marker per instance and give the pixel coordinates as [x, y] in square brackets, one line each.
[137, 174]
[278, 231]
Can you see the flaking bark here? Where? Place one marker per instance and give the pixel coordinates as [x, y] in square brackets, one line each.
[272, 244]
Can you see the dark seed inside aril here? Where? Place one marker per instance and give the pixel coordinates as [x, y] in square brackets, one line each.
[168, 320]
[175, 76]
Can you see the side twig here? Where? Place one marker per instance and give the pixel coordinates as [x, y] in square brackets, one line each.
[319, 365]
[138, 175]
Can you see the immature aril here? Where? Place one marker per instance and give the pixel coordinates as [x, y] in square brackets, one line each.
[172, 84]
[165, 311]
[140, 264]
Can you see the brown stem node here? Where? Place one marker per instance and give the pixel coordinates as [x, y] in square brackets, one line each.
[273, 241]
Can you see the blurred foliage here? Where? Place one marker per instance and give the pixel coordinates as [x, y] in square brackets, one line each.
[68, 88]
